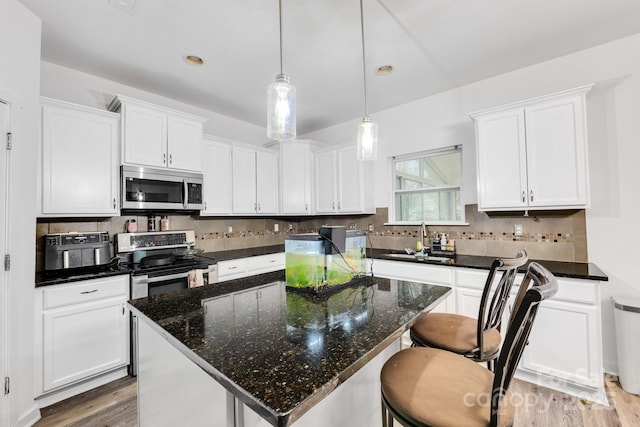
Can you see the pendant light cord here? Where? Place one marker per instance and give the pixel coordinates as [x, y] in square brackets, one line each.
[280, 21]
[364, 69]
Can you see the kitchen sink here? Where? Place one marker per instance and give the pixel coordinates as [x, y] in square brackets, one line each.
[426, 258]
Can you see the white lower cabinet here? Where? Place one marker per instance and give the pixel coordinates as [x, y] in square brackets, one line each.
[250, 266]
[82, 331]
[565, 345]
[564, 352]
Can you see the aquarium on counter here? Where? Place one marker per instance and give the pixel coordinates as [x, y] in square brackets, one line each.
[312, 268]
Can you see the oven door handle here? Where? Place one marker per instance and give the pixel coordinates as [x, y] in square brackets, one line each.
[167, 277]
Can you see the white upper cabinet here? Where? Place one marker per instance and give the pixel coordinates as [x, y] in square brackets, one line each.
[158, 136]
[216, 169]
[296, 175]
[255, 181]
[533, 154]
[343, 184]
[79, 153]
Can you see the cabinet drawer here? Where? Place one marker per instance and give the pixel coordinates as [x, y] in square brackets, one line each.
[236, 267]
[271, 262]
[574, 290]
[89, 290]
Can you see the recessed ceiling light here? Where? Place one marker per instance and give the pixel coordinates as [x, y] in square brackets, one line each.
[193, 60]
[384, 69]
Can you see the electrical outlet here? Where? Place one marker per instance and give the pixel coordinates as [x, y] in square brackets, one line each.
[352, 226]
[371, 228]
[230, 229]
[276, 227]
[290, 227]
[518, 230]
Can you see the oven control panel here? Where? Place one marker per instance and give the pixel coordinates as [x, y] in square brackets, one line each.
[128, 242]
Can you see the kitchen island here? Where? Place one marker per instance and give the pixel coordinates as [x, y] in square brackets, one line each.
[249, 352]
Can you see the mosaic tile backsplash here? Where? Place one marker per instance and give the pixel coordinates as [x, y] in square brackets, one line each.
[558, 235]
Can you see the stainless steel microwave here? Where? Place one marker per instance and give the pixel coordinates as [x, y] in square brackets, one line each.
[157, 190]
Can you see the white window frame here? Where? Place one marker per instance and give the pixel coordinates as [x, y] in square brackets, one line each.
[411, 156]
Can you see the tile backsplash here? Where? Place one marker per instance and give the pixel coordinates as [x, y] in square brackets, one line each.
[558, 235]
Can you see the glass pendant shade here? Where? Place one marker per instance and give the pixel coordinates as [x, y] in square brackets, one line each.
[367, 145]
[281, 109]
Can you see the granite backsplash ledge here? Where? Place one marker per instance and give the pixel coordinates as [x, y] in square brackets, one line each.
[558, 236]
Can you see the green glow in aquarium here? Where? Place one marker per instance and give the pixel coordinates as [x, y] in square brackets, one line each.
[309, 269]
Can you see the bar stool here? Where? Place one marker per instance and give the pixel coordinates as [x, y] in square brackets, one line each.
[476, 339]
[431, 387]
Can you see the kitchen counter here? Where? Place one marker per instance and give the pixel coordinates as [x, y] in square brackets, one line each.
[244, 253]
[575, 270]
[277, 351]
[62, 276]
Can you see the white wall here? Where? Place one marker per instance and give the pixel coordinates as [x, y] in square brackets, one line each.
[613, 109]
[19, 85]
[81, 88]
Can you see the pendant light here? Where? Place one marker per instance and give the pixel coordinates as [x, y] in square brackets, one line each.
[281, 101]
[367, 143]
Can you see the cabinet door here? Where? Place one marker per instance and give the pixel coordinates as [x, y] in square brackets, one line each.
[79, 161]
[468, 301]
[266, 182]
[295, 178]
[501, 160]
[184, 143]
[556, 153]
[325, 182]
[244, 180]
[145, 136]
[564, 343]
[82, 340]
[216, 169]
[350, 194]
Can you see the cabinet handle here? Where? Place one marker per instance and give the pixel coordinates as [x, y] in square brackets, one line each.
[333, 206]
[170, 158]
[89, 292]
[339, 205]
[531, 195]
[123, 309]
[114, 203]
[255, 207]
[233, 267]
[164, 158]
[205, 206]
[306, 207]
[523, 196]
[258, 207]
[272, 261]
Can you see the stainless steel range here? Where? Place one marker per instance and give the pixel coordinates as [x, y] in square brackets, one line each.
[161, 262]
[164, 261]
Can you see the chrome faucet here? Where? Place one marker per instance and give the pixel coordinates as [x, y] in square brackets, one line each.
[423, 234]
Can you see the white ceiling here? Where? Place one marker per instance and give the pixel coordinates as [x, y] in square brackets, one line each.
[433, 45]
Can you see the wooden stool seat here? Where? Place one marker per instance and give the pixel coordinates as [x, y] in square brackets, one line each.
[434, 387]
[454, 332]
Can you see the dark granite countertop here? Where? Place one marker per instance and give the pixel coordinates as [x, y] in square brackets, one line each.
[244, 253]
[576, 270]
[279, 351]
[59, 277]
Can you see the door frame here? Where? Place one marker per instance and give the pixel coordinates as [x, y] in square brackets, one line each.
[5, 117]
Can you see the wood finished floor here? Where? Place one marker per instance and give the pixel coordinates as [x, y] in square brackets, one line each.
[114, 405]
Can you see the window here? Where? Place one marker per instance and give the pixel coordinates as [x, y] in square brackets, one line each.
[426, 186]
